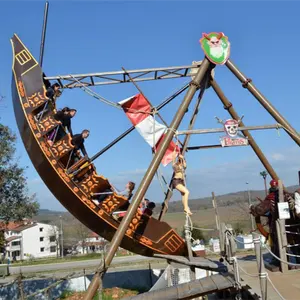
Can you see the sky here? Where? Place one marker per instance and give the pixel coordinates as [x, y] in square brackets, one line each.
[99, 36]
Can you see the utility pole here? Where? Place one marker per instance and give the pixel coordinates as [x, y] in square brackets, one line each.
[214, 203]
[61, 238]
[249, 202]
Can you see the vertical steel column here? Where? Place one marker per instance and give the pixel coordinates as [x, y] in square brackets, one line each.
[281, 234]
[42, 47]
[264, 102]
[251, 216]
[246, 133]
[260, 266]
[184, 148]
[146, 181]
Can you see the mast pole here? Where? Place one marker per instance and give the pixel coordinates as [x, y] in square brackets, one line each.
[264, 102]
[43, 38]
[228, 106]
[146, 181]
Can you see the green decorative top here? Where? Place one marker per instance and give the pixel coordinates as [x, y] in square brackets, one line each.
[216, 47]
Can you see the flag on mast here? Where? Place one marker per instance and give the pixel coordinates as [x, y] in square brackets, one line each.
[138, 110]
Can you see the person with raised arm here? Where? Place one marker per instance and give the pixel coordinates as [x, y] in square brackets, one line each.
[178, 181]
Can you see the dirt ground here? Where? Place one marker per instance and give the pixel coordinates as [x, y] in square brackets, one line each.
[108, 294]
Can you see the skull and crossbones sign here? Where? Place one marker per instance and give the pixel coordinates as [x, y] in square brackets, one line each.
[231, 126]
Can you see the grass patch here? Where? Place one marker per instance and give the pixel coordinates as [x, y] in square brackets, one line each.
[107, 294]
[56, 260]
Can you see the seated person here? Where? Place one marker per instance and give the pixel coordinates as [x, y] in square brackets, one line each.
[78, 142]
[53, 92]
[144, 204]
[127, 192]
[64, 116]
[149, 209]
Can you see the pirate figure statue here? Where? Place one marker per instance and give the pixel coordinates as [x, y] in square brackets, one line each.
[178, 181]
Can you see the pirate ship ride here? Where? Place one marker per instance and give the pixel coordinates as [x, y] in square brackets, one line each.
[145, 235]
[74, 185]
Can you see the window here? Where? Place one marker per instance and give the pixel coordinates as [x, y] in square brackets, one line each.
[16, 243]
[52, 238]
[42, 249]
[41, 229]
[41, 239]
[53, 249]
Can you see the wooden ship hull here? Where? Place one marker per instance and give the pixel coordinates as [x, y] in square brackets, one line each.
[145, 235]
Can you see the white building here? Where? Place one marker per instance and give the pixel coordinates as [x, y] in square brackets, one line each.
[31, 240]
[92, 244]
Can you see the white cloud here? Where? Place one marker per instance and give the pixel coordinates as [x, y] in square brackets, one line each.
[278, 156]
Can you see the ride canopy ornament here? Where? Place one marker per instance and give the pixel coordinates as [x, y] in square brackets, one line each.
[216, 47]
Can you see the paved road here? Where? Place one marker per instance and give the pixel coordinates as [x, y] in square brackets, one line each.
[84, 264]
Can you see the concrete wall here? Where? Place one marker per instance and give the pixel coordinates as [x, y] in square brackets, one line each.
[141, 280]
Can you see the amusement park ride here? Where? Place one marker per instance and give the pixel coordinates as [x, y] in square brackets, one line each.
[74, 185]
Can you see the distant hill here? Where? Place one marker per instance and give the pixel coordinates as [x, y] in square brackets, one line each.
[231, 199]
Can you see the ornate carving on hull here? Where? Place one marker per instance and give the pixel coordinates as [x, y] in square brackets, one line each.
[110, 203]
[90, 183]
[21, 88]
[32, 121]
[47, 124]
[62, 147]
[36, 99]
[146, 241]
[63, 175]
[88, 202]
[173, 243]
[45, 149]
[135, 222]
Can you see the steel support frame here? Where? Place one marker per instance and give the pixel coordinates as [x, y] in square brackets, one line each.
[228, 106]
[115, 77]
[146, 181]
[169, 193]
[247, 83]
[216, 130]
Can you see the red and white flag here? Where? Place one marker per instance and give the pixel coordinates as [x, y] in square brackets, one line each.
[138, 109]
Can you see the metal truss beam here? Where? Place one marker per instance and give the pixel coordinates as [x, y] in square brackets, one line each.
[216, 130]
[105, 78]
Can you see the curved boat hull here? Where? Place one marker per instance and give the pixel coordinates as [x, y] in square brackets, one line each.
[144, 236]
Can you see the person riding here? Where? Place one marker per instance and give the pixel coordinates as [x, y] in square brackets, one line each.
[78, 143]
[144, 204]
[53, 92]
[126, 193]
[148, 211]
[64, 116]
[178, 181]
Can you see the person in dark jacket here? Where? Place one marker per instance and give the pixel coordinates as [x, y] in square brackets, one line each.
[64, 116]
[53, 92]
[149, 209]
[78, 142]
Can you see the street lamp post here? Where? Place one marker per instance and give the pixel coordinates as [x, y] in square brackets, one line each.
[249, 202]
[61, 238]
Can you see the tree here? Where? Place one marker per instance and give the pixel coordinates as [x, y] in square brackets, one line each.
[75, 233]
[56, 236]
[15, 203]
[264, 175]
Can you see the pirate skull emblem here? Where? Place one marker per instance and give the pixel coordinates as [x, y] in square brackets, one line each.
[231, 127]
